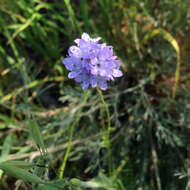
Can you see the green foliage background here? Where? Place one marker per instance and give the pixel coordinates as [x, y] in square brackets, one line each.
[149, 106]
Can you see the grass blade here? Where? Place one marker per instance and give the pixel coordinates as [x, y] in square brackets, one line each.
[37, 136]
[167, 36]
[72, 16]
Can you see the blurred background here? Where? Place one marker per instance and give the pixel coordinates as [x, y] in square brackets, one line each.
[149, 106]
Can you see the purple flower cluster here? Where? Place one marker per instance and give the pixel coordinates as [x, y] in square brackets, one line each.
[92, 63]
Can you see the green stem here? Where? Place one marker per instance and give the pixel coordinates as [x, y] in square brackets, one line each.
[106, 136]
[63, 165]
[155, 162]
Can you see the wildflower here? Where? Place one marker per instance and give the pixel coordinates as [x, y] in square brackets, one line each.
[92, 63]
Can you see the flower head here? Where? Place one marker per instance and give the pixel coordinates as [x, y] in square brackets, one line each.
[92, 63]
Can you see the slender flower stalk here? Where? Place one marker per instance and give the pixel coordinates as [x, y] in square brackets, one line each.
[107, 134]
[63, 165]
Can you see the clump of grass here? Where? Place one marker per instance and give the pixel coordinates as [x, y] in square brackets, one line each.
[39, 105]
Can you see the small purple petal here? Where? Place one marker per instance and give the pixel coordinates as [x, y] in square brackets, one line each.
[85, 85]
[96, 39]
[94, 71]
[77, 41]
[75, 51]
[85, 37]
[94, 81]
[94, 61]
[117, 73]
[72, 74]
[68, 63]
[106, 53]
[103, 84]
[102, 72]
[117, 63]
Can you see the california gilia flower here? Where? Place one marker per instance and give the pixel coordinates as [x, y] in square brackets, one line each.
[92, 63]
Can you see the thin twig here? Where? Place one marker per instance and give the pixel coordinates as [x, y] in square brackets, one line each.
[52, 149]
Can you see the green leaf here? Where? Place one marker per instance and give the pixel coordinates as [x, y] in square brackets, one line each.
[37, 136]
[19, 164]
[6, 146]
[20, 173]
[101, 181]
[6, 149]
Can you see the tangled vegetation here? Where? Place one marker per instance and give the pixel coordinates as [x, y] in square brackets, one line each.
[134, 135]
